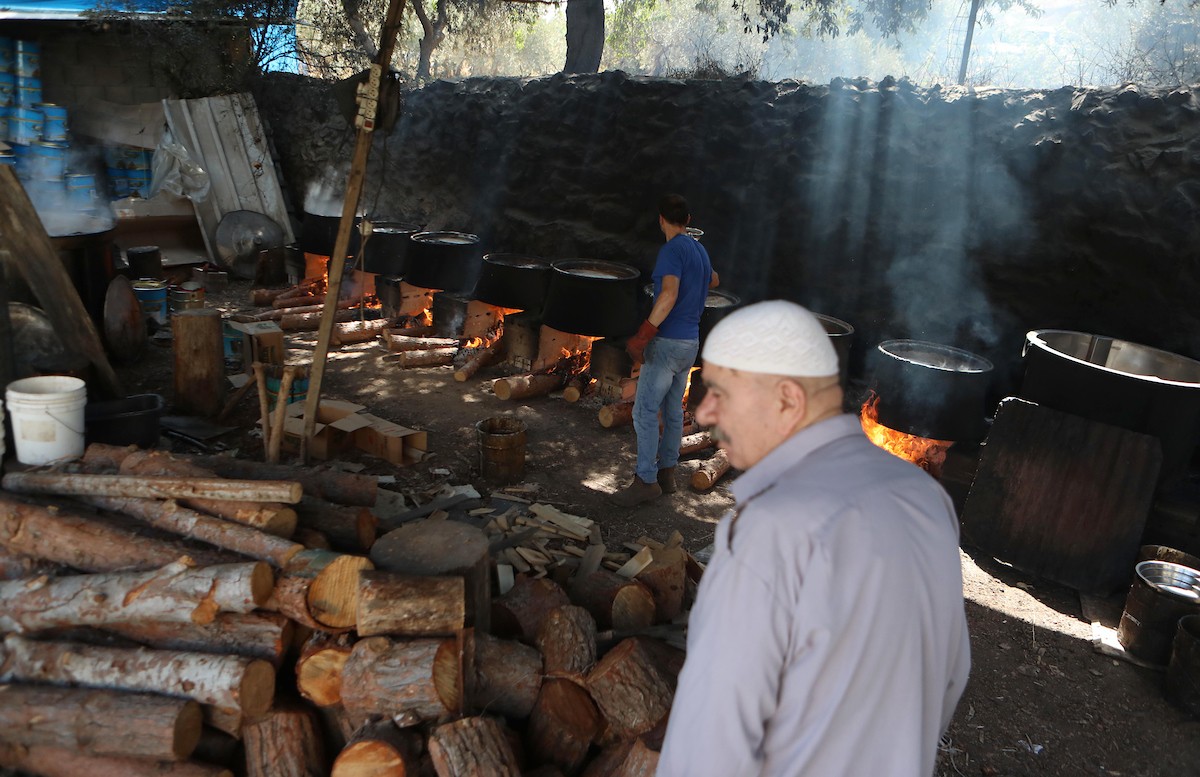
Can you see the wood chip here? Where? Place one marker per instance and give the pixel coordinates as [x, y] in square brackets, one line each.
[675, 540]
[482, 511]
[648, 542]
[513, 558]
[635, 565]
[504, 578]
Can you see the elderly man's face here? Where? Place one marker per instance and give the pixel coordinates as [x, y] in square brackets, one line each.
[744, 410]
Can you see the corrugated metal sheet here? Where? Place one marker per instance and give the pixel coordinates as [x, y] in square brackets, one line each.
[226, 137]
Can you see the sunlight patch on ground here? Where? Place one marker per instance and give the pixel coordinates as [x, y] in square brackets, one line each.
[604, 482]
[1022, 601]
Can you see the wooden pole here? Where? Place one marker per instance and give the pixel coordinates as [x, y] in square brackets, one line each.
[152, 487]
[281, 403]
[199, 362]
[354, 185]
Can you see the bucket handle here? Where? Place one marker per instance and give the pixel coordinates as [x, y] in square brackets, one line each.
[64, 423]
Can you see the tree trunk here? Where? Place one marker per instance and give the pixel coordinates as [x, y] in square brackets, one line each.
[379, 749]
[176, 593]
[585, 36]
[67, 762]
[258, 634]
[319, 589]
[226, 681]
[472, 746]
[631, 690]
[407, 606]
[14, 566]
[137, 725]
[285, 743]
[614, 601]
[520, 612]
[411, 681]
[319, 668]
[199, 366]
[562, 725]
[567, 640]
[508, 676]
[695, 442]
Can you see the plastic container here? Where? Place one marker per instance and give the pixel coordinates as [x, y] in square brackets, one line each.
[47, 418]
[129, 421]
[502, 449]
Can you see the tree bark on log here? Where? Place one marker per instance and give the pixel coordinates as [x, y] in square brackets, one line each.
[199, 361]
[344, 488]
[260, 298]
[286, 742]
[472, 746]
[508, 676]
[349, 529]
[614, 601]
[87, 543]
[279, 314]
[258, 634]
[319, 667]
[666, 577]
[481, 358]
[567, 641]
[14, 566]
[520, 612]
[577, 387]
[226, 681]
[379, 749]
[236, 537]
[99, 722]
[433, 357]
[525, 386]
[408, 606]
[66, 762]
[695, 442]
[711, 471]
[298, 301]
[401, 343]
[358, 331]
[319, 588]
[310, 321]
[217, 489]
[616, 414]
[562, 725]
[174, 593]
[411, 681]
[630, 689]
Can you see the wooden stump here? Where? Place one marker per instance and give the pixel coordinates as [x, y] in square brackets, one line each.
[379, 749]
[319, 589]
[666, 577]
[615, 602]
[66, 762]
[508, 676]
[562, 725]
[407, 606]
[319, 667]
[411, 681]
[567, 640]
[631, 690]
[199, 363]
[285, 743]
[446, 548]
[520, 612]
[472, 746]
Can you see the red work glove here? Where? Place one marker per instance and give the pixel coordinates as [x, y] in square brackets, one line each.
[636, 345]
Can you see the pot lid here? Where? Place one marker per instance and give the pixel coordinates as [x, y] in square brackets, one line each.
[596, 269]
[934, 356]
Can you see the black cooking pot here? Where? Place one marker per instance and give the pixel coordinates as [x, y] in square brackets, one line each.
[1120, 383]
[446, 261]
[592, 298]
[318, 234]
[932, 390]
[513, 281]
[717, 305]
[386, 248]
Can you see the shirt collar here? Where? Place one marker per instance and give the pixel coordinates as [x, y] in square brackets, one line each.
[772, 466]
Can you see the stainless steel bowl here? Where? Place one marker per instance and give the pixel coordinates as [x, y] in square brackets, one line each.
[1173, 579]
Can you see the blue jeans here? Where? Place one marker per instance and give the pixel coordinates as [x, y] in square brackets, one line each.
[660, 387]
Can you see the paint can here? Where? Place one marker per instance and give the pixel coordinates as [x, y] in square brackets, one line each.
[139, 183]
[24, 126]
[273, 375]
[29, 92]
[54, 122]
[186, 296]
[28, 56]
[8, 55]
[118, 183]
[49, 160]
[152, 294]
[8, 89]
[81, 191]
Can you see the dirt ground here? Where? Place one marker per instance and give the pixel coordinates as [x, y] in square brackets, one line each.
[1040, 700]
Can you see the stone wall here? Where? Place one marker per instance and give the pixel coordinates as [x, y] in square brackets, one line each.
[966, 217]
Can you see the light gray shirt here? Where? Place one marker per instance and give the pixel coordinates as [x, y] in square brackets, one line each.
[829, 636]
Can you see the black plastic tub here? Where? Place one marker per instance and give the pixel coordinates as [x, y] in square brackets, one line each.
[129, 421]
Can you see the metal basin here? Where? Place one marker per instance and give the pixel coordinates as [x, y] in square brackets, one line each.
[446, 261]
[932, 390]
[593, 298]
[386, 248]
[514, 281]
[318, 234]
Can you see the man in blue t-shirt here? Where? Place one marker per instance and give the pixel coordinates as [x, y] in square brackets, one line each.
[666, 345]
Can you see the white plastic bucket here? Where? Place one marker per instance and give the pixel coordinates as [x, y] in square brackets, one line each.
[47, 418]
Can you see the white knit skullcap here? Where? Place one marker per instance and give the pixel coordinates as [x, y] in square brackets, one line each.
[775, 337]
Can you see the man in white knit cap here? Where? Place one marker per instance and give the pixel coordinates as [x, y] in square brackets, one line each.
[829, 637]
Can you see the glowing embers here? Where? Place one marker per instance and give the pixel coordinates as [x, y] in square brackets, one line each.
[929, 455]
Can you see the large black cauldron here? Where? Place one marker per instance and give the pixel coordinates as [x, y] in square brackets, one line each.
[318, 234]
[592, 298]
[446, 261]
[513, 281]
[385, 250]
[932, 390]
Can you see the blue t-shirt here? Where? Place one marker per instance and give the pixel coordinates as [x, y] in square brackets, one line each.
[683, 257]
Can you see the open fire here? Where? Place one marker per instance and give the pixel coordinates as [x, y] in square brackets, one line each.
[928, 454]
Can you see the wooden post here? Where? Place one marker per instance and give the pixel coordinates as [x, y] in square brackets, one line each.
[354, 185]
[199, 364]
[281, 397]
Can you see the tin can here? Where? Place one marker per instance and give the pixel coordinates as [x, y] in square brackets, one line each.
[29, 91]
[186, 296]
[81, 191]
[54, 122]
[139, 182]
[152, 294]
[25, 126]
[29, 59]
[8, 55]
[8, 89]
[49, 160]
[118, 183]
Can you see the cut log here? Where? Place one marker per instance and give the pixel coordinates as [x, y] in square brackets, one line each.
[148, 487]
[477, 361]
[562, 725]
[297, 301]
[520, 612]
[472, 746]
[217, 747]
[319, 588]
[577, 387]
[709, 472]
[310, 321]
[264, 297]
[508, 676]
[137, 725]
[282, 396]
[168, 515]
[614, 601]
[226, 681]
[258, 634]
[225, 719]
[199, 361]
[631, 689]
[312, 539]
[349, 529]
[319, 667]
[67, 762]
[432, 357]
[410, 681]
[616, 414]
[400, 343]
[344, 488]
[567, 641]
[446, 548]
[408, 606]
[666, 577]
[87, 542]
[627, 759]
[287, 741]
[357, 331]
[525, 386]
[695, 442]
[264, 402]
[279, 314]
[175, 593]
[379, 749]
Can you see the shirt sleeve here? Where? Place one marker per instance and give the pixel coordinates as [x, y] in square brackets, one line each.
[728, 690]
[668, 263]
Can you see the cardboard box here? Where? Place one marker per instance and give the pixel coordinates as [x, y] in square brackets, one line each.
[391, 441]
[335, 429]
[262, 341]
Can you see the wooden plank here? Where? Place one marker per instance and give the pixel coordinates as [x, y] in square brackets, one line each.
[637, 563]
[1062, 497]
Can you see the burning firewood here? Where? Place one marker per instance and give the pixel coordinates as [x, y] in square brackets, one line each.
[264, 297]
[472, 746]
[69, 762]
[711, 470]
[616, 414]
[483, 356]
[578, 387]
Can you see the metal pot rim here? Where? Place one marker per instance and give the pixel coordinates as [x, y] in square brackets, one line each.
[517, 261]
[439, 237]
[616, 271]
[1038, 339]
[959, 359]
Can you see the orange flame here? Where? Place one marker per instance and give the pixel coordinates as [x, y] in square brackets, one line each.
[929, 455]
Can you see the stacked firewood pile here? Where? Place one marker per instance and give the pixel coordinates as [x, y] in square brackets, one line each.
[200, 616]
